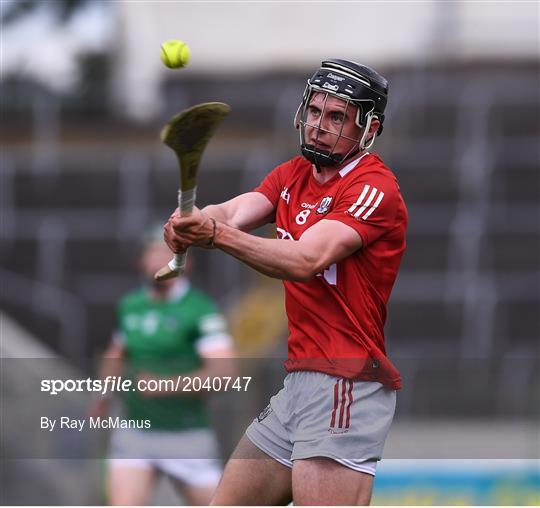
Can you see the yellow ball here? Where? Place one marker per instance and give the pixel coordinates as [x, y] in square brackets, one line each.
[175, 54]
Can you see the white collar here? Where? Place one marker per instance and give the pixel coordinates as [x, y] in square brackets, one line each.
[349, 167]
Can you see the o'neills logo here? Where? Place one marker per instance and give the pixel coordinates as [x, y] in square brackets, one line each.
[264, 413]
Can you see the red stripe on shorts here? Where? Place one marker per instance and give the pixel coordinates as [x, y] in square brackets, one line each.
[336, 397]
[342, 409]
[347, 422]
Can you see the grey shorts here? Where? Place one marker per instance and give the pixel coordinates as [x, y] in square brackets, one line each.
[317, 415]
[191, 456]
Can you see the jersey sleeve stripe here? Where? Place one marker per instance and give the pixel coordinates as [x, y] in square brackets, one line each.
[360, 199]
[375, 205]
[367, 203]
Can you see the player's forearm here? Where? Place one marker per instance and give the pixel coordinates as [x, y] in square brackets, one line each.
[218, 212]
[280, 259]
[228, 213]
[245, 212]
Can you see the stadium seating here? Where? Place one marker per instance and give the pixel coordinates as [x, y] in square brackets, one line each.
[76, 196]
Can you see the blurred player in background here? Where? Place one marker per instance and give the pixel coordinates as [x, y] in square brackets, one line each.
[164, 329]
[341, 223]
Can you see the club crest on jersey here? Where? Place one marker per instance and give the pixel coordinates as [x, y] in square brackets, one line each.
[285, 195]
[324, 206]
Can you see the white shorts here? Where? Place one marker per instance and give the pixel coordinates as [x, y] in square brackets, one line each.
[317, 415]
[190, 456]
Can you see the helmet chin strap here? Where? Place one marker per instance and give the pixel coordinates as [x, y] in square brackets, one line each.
[361, 144]
[353, 152]
[316, 163]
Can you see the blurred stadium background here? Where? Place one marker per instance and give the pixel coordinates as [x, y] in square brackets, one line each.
[83, 97]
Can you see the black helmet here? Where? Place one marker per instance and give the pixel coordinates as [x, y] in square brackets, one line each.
[354, 83]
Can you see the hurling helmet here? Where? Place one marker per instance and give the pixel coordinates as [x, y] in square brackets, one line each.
[354, 84]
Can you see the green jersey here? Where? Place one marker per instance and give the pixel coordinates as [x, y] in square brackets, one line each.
[166, 338]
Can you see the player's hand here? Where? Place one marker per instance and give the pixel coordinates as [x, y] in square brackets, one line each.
[171, 239]
[183, 232]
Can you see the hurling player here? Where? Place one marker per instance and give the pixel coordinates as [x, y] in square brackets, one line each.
[164, 329]
[341, 222]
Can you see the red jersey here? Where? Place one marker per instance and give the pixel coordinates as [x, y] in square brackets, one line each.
[336, 319]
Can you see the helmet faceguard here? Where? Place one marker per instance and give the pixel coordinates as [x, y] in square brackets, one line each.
[359, 87]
